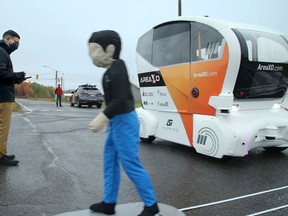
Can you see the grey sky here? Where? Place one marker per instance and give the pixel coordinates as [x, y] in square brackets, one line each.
[55, 32]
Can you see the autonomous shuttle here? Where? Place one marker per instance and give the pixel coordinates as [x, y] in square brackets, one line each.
[217, 86]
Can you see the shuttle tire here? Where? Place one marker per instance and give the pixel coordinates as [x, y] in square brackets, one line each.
[275, 149]
[150, 139]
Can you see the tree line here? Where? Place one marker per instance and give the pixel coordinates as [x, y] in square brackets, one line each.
[34, 90]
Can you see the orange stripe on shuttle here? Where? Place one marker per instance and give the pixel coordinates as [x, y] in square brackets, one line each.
[207, 76]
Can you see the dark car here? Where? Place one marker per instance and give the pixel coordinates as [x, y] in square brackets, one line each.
[86, 95]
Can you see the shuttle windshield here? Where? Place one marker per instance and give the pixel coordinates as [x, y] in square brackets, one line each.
[263, 71]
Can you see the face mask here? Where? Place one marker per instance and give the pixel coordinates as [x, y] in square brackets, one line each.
[14, 46]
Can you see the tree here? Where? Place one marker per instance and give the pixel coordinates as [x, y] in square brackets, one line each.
[34, 90]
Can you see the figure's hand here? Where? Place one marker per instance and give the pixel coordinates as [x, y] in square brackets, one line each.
[98, 122]
[19, 77]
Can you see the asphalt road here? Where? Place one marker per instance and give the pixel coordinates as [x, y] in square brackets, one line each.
[60, 170]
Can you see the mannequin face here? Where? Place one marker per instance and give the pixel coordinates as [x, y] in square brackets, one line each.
[101, 58]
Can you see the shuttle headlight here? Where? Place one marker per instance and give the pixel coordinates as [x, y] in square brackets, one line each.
[276, 105]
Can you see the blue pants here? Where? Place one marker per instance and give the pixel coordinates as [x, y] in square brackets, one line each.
[122, 146]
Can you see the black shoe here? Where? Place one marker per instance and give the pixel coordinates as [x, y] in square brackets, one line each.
[8, 162]
[11, 157]
[106, 208]
[150, 211]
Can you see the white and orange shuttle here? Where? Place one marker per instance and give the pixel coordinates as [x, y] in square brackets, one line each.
[214, 85]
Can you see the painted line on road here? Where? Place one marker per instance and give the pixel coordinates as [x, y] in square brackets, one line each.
[232, 199]
[268, 210]
[29, 110]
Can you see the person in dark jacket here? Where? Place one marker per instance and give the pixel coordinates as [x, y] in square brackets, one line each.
[122, 142]
[8, 78]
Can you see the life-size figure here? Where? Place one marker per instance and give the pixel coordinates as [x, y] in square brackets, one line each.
[122, 142]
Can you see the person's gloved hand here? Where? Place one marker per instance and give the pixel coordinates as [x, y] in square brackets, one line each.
[18, 77]
[98, 122]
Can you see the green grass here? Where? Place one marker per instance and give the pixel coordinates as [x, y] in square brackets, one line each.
[137, 104]
[15, 107]
[42, 99]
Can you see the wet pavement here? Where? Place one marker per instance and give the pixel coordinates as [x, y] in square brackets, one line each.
[60, 170]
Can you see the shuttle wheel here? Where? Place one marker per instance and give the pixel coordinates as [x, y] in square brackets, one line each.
[275, 149]
[150, 139]
[148, 124]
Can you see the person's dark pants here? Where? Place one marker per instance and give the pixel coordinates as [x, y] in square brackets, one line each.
[58, 100]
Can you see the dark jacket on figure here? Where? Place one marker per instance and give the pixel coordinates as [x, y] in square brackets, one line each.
[7, 77]
[117, 90]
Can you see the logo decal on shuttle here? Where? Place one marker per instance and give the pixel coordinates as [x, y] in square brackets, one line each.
[169, 122]
[162, 94]
[205, 74]
[269, 67]
[208, 141]
[163, 104]
[147, 93]
[151, 79]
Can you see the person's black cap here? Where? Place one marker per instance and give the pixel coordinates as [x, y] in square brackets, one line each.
[11, 33]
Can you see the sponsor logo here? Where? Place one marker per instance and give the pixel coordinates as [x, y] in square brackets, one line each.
[269, 67]
[147, 94]
[163, 104]
[169, 122]
[146, 103]
[162, 94]
[169, 127]
[151, 79]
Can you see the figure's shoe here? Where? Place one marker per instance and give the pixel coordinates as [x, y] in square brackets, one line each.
[8, 162]
[106, 208]
[11, 157]
[150, 211]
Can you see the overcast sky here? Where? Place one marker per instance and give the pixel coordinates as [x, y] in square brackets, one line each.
[55, 32]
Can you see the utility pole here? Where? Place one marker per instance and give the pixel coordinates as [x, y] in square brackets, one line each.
[56, 74]
[56, 78]
[179, 8]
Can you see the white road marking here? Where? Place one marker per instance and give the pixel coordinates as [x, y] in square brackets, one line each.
[24, 107]
[233, 199]
[21, 114]
[268, 210]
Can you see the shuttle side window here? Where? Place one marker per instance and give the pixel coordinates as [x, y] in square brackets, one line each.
[263, 47]
[263, 70]
[207, 42]
[171, 44]
[144, 47]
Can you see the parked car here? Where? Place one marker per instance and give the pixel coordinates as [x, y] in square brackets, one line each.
[86, 95]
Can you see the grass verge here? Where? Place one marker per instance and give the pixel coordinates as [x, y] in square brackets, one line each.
[15, 107]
